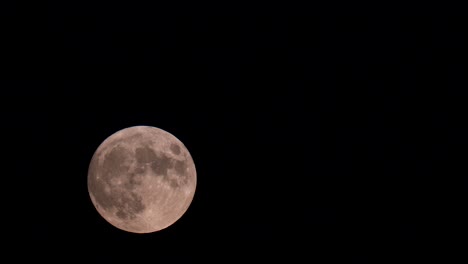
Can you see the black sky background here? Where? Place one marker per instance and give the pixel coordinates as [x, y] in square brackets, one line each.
[324, 138]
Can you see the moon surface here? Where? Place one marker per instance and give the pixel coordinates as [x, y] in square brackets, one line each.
[141, 179]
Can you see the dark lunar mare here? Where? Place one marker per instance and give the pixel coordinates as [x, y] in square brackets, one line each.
[175, 149]
[161, 163]
[144, 154]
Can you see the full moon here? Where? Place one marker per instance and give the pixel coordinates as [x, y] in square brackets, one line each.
[141, 179]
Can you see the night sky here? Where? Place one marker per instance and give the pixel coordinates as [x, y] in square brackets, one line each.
[317, 138]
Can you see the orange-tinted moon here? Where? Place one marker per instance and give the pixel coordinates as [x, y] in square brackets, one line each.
[142, 179]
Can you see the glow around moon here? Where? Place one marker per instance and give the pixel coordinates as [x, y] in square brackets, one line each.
[141, 179]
